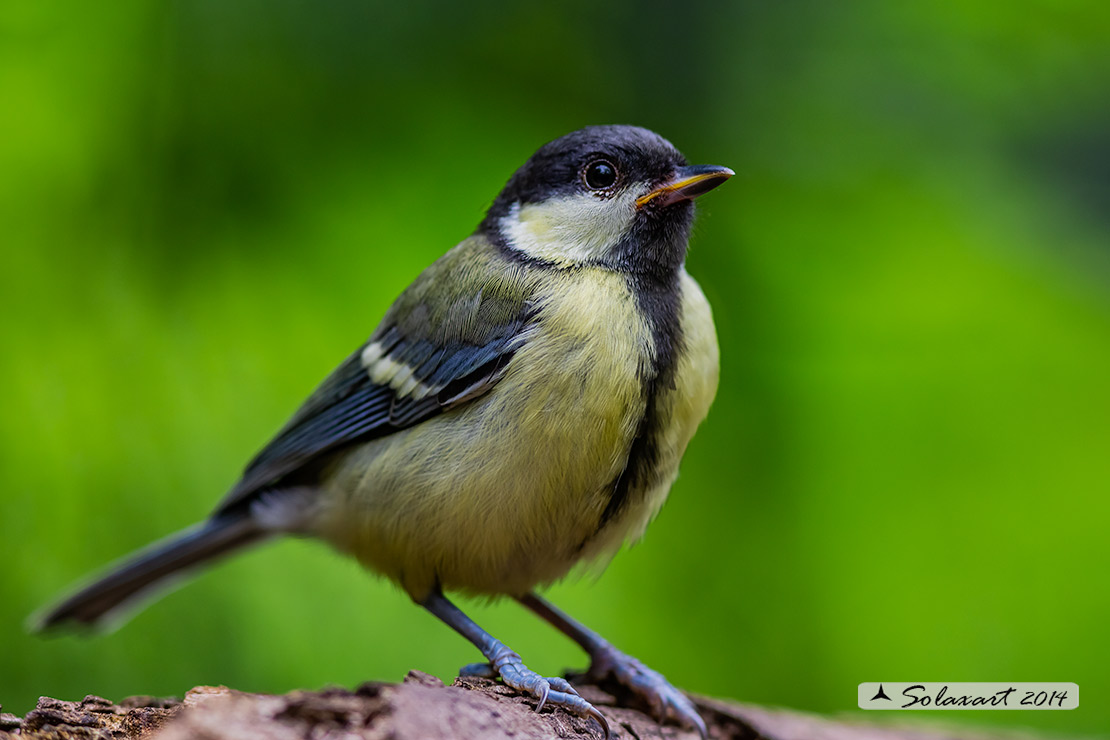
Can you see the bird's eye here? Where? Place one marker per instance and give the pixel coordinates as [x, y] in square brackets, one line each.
[599, 175]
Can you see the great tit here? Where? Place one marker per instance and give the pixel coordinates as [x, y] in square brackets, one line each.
[522, 407]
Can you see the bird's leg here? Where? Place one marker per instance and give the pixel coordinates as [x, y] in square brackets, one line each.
[606, 661]
[507, 664]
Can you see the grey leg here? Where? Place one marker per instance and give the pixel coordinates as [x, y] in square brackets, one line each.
[505, 663]
[606, 661]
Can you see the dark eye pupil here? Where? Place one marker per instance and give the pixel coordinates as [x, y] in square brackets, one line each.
[600, 175]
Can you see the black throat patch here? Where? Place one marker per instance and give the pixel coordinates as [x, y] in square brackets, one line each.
[660, 303]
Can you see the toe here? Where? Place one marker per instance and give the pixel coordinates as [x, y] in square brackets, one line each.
[478, 670]
[683, 711]
[575, 704]
[553, 692]
[521, 678]
[665, 701]
[561, 684]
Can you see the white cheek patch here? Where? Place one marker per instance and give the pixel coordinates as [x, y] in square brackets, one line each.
[569, 230]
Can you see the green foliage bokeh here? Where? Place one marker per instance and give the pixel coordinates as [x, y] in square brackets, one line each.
[205, 206]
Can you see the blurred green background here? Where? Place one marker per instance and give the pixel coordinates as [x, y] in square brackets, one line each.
[205, 206]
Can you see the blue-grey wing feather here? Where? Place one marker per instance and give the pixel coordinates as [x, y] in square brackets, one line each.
[350, 407]
[456, 327]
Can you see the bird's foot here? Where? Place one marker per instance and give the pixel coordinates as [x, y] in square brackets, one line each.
[556, 692]
[666, 701]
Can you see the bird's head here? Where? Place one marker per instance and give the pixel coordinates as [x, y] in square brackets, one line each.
[619, 197]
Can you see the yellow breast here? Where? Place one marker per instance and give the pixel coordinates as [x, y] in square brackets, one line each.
[680, 408]
[506, 492]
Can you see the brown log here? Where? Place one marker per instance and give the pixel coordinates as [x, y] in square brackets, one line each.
[421, 708]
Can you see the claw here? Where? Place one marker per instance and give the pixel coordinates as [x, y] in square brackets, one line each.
[545, 689]
[699, 725]
[600, 719]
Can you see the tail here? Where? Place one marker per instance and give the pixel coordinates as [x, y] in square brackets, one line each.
[151, 570]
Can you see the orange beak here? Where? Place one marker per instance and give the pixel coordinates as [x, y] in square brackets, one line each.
[687, 183]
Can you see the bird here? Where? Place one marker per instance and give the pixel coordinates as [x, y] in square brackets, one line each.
[521, 408]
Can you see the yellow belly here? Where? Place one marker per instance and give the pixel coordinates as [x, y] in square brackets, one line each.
[507, 492]
[504, 493]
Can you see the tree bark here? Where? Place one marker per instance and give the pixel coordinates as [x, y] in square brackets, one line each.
[421, 708]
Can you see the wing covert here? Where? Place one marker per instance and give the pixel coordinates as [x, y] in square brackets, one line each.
[435, 349]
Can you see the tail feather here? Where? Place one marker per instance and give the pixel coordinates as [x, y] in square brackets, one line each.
[150, 570]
